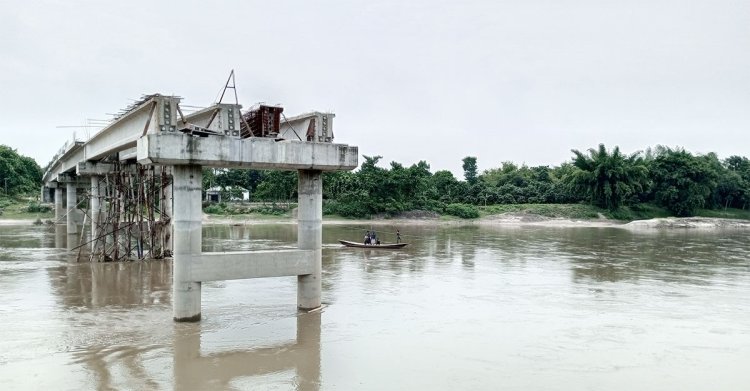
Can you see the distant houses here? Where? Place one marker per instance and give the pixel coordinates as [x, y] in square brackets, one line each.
[229, 193]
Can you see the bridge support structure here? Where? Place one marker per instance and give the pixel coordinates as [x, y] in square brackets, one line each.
[138, 212]
[191, 267]
[59, 211]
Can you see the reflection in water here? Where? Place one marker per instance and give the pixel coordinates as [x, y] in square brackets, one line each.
[594, 308]
[94, 285]
[192, 370]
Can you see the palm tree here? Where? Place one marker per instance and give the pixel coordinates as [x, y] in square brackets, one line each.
[608, 179]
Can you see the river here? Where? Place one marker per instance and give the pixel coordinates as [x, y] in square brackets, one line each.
[460, 308]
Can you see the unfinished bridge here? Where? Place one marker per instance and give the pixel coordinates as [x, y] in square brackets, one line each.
[135, 187]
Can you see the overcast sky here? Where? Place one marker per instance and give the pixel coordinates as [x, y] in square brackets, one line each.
[522, 81]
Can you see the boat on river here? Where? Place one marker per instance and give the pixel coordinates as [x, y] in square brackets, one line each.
[385, 246]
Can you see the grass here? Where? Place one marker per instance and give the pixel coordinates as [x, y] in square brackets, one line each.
[570, 211]
[729, 213]
[580, 211]
[244, 210]
[17, 208]
[637, 212]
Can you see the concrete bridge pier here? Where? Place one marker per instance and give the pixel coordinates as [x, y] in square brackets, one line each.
[186, 293]
[167, 214]
[310, 236]
[59, 211]
[70, 191]
[95, 211]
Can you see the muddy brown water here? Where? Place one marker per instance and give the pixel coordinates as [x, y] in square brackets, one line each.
[461, 308]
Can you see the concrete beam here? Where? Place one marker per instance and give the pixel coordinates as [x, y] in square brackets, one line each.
[250, 264]
[221, 118]
[89, 168]
[69, 178]
[322, 126]
[256, 153]
[153, 115]
[127, 154]
[156, 114]
[65, 162]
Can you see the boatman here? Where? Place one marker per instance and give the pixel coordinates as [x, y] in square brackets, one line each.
[398, 236]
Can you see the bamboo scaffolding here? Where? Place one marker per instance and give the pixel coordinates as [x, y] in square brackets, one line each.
[133, 224]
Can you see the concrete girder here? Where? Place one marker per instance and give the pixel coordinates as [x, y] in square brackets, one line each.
[69, 178]
[321, 125]
[65, 162]
[221, 118]
[89, 168]
[158, 113]
[249, 264]
[254, 153]
[155, 114]
[127, 154]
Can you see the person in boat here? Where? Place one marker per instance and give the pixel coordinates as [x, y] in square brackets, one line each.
[398, 236]
[367, 238]
[374, 238]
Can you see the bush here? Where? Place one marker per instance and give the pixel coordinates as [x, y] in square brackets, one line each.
[215, 209]
[36, 207]
[345, 209]
[272, 210]
[462, 210]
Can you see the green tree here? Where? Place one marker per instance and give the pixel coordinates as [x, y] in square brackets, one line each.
[739, 166]
[470, 169]
[608, 179]
[447, 188]
[277, 186]
[18, 174]
[682, 182]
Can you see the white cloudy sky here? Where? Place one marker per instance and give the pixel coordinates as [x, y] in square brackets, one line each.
[523, 80]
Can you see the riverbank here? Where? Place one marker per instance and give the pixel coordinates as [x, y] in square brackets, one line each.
[505, 219]
[544, 215]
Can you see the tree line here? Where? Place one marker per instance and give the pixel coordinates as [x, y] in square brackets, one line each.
[19, 175]
[672, 178]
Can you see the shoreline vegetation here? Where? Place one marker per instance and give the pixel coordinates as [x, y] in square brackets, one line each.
[542, 215]
[658, 187]
[17, 211]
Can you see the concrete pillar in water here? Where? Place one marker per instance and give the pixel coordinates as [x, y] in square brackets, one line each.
[308, 344]
[310, 236]
[59, 211]
[71, 207]
[95, 208]
[186, 294]
[167, 209]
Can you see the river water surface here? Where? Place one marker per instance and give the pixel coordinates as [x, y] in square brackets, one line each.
[461, 308]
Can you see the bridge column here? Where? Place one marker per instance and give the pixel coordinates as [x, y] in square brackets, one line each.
[95, 211]
[310, 235]
[59, 211]
[70, 190]
[167, 209]
[186, 294]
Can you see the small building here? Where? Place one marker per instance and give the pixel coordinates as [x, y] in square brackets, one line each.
[213, 194]
[231, 193]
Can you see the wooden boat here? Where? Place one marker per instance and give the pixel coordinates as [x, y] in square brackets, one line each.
[384, 246]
